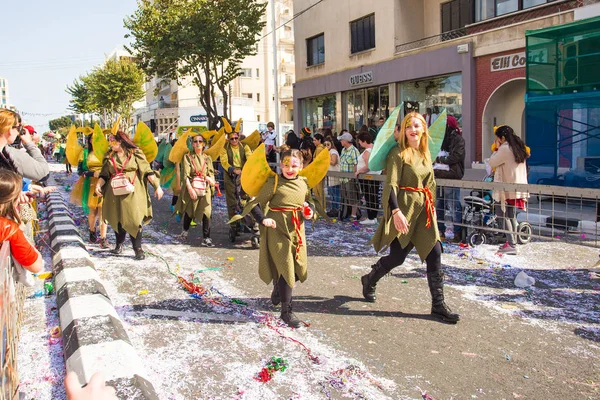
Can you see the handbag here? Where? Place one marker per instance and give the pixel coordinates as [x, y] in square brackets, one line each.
[121, 185]
[198, 182]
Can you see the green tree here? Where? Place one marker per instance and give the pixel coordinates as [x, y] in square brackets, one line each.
[62, 122]
[81, 101]
[115, 86]
[202, 39]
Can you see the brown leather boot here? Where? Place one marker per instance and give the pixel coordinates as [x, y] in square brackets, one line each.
[288, 316]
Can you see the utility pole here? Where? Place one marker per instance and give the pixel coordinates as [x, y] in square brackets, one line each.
[275, 79]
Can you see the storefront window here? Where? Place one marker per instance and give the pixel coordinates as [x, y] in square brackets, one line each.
[319, 112]
[366, 106]
[431, 95]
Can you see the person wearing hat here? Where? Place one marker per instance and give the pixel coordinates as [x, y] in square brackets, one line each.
[306, 144]
[348, 163]
[193, 203]
[233, 157]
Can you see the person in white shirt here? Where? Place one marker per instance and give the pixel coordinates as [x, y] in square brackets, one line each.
[268, 138]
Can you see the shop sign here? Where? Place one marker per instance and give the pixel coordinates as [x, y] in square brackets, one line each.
[361, 79]
[510, 61]
[198, 118]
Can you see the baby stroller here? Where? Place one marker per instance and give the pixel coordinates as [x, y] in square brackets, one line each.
[482, 223]
[246, 224]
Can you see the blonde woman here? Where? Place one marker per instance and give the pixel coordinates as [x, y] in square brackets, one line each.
[409, 215]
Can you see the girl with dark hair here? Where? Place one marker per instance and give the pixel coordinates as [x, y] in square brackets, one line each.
[20, 248]
[509, 161]
[196, 204]
[127, 213]
[83, 194]
[283, 256]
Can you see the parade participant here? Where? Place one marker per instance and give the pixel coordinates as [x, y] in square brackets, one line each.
[30, 163]
[319, 190]
[509, 162]
[409, 215]
[233, 157]
[127, 212]
[286, 198]
[198, 180]
[369, 187]
[83, 192]
[306, 145]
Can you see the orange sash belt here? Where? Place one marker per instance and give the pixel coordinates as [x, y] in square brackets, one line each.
[297, 224]
[429, 206]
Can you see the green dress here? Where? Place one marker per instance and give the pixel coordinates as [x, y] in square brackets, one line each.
[412, 204]
[134, 210]
[280, 253]
[195, 209]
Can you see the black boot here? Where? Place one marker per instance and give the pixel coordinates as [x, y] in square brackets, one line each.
[275, 298]
[288, 316]
[118, 248]
[93, 237]
[439, 308]
[139, 254]
[370, 280]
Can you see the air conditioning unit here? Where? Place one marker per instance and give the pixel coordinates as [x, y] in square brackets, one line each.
[569, 66]
[589, 164]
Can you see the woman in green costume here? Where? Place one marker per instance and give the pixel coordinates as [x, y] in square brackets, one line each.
[282, 255]
[191, 204]
[127, 213]
[409, 215]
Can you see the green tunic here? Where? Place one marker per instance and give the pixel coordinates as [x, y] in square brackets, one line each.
[277, 254]
[195, 209]
[412, 204]
[135, 209]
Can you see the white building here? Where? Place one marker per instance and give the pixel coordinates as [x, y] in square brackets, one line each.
[252, 93]
[4, 103]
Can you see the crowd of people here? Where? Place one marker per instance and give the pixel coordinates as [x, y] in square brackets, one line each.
[113, 189]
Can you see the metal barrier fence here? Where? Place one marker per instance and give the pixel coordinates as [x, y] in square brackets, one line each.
[552, 212]
[12, 296]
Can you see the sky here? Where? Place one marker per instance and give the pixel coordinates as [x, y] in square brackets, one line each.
[48, 44]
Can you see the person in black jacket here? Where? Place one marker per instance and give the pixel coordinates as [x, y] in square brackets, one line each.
[450, 164]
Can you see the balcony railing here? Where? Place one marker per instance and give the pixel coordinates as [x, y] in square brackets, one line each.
[494, 23]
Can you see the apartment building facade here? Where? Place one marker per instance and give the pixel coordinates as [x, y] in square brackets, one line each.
[251, 95]
[358, 60]
[4, 99]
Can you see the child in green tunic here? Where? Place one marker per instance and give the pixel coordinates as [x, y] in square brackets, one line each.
[409, 215]
[283, 256]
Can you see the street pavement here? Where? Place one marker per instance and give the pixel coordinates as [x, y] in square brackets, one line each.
[535, 343]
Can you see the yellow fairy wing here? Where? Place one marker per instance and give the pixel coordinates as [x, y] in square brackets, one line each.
[253, 140]
[317, 169]
[74, 149]
[144, 139]
[215, 149]
[208, 134]
[99, 142]
[256, 171]
[180, 149]
[226, 125]
[238, 126]
[115, 127]
[86, 130]
[107, 132]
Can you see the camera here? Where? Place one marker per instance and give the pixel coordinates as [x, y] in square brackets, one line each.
[17, 142]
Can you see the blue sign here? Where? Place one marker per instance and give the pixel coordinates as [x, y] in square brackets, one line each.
[199, 118]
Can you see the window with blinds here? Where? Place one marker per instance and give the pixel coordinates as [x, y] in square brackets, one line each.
[456, 14]
[362, 34]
